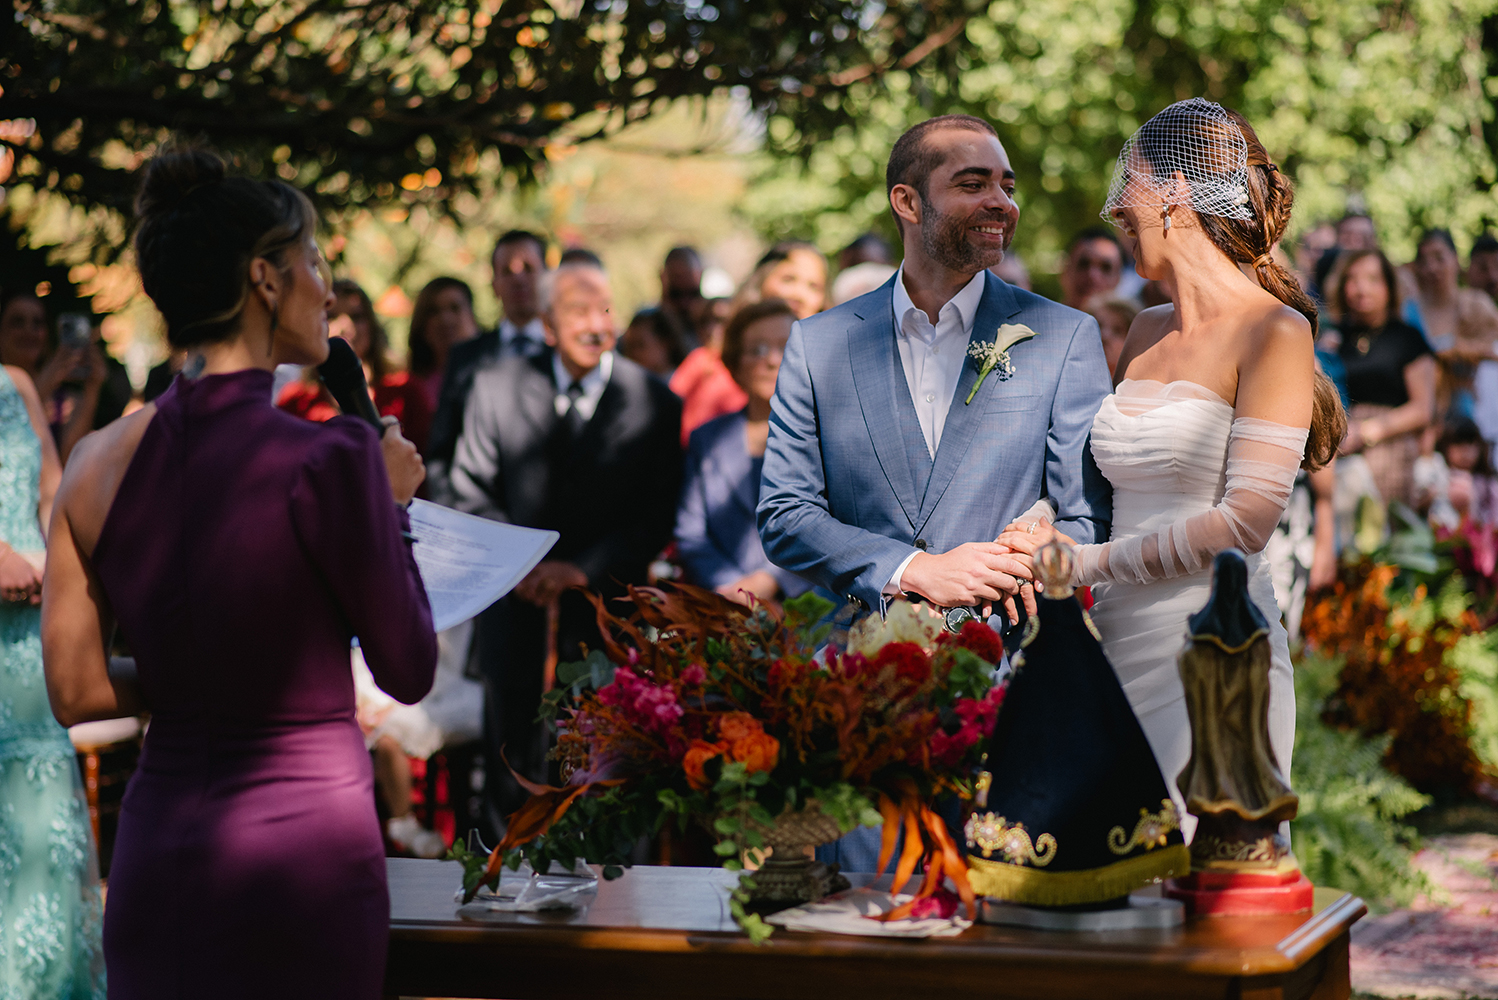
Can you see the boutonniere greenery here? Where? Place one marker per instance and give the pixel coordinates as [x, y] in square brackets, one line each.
[994, 355]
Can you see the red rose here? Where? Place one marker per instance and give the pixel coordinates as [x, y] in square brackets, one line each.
[910, 661]
[982, 641]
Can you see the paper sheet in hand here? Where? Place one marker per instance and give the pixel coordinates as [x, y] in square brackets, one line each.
[467, 563]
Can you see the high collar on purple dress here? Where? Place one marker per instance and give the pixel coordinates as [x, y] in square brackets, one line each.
[214, 393]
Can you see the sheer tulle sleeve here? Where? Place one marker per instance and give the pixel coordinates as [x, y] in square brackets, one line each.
[1263, 459]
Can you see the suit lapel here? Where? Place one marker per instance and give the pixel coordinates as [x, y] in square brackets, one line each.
[873, 360]
[537, 393]
[736, 465]
[996, 306]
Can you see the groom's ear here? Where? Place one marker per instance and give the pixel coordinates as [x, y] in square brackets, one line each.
[905, 202]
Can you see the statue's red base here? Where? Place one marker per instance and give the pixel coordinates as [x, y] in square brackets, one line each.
[1224, 894]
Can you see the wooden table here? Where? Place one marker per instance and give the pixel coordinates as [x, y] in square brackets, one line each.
[662, 933]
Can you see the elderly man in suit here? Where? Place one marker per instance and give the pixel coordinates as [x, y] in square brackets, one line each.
[889, 469]
[587, 443]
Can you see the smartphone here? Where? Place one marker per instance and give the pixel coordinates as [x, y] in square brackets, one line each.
[74, 330]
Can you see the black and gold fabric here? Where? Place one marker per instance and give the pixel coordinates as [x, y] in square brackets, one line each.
[1072, 808]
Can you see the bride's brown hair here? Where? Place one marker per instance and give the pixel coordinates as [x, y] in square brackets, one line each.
[1251, 242]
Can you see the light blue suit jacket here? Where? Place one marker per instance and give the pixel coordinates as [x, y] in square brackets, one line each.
[849, 489]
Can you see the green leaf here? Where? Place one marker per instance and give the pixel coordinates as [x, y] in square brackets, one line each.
[611, 872]
[726, 848]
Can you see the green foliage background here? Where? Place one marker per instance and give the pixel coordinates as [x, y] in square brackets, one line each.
[1386, 103]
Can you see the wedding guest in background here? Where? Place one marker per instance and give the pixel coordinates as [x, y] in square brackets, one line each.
[581, 441]
[1451, 317]
[870, 248]
[81, 386]
[1354, 232]
[49, 876]
[394, 393]
[519, 261]
[1482, 265]
[1390, 373]
[707, 388]
[1458, 481]
[716, 536]
[794, 271]
[860, 279]
[654, 343]
[579, 255]
[240, 558]
[441, 319]
[681, 295]
[1013, 271]
[1114, 316]
[1093, 266]
[1313, 243]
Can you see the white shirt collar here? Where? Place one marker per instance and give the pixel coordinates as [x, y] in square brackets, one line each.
[533, 330]
[965, 302]
[592, 383]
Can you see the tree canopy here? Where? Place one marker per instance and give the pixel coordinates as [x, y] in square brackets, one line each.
[438, 102]
[1369, 104]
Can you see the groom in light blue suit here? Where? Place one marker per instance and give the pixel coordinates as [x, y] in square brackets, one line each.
[885, 472]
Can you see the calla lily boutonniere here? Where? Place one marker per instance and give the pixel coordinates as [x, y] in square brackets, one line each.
[995, 355]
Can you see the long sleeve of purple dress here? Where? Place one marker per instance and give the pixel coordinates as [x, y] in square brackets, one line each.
[243, 553]
[347, 521]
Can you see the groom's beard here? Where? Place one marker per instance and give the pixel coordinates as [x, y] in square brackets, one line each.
[945, 240]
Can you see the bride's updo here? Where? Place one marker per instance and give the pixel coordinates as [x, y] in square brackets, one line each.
[1243, 202]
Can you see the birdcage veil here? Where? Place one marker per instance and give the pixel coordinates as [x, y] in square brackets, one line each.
[1195, 138]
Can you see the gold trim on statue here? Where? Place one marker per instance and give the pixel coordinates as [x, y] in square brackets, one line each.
[1150, 832]
[992, 834]
[1035, 887]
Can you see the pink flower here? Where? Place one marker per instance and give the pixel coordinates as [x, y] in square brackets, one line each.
[694, 676]
[941, 904]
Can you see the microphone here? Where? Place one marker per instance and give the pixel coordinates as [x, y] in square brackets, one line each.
[343, 374]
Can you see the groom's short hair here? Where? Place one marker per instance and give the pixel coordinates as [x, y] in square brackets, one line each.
[912, 159]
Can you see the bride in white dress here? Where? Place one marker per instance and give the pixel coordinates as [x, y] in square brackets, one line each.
[1218, 403]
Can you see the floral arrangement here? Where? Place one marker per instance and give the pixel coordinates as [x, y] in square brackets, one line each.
[700, 710]
[1400, 648]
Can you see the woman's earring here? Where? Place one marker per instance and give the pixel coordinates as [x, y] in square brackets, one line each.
[1167, 215]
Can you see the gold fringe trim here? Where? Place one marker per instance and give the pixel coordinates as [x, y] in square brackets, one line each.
[1042, 888]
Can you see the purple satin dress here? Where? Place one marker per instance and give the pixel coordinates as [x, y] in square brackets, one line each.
[243, 552]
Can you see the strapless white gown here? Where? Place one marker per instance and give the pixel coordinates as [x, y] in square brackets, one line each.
[1164, 449]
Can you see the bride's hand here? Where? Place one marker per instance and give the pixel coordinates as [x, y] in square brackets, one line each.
[1026, 537]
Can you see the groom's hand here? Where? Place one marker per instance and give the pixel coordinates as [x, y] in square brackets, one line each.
[975, 573]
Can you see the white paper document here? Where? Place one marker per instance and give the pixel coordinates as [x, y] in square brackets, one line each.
[467, 563]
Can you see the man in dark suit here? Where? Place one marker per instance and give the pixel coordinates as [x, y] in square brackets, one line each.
[582, 441]
[519, 261]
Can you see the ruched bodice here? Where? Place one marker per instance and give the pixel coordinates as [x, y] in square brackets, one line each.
[1164, 447]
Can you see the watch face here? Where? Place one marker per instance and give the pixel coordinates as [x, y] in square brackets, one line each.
[955, 618]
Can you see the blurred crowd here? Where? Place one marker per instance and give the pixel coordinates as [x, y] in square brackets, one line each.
[641, 442]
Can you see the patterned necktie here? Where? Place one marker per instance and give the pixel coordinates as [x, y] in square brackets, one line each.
[575, 420]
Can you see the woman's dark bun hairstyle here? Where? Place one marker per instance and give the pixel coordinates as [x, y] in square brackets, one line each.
[198, 231]
[1271, 196]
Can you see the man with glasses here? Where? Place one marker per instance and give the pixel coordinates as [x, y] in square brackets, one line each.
[681, 292]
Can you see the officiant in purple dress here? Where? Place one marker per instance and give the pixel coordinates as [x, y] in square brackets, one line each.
[239, 551]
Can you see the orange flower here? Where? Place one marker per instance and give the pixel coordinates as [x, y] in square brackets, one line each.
[759, 750]
[698, 754]
[735, 726]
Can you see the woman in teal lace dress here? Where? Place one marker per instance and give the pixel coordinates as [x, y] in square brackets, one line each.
[50, 909]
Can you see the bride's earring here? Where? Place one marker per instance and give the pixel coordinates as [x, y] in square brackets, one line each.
[1167, 216]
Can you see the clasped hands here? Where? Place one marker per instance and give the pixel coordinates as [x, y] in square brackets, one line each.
[983, 573]
[546, 582]
[20, 581]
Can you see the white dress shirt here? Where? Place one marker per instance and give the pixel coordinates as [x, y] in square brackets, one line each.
[593, 385]
[522, 341]
[932, 357]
